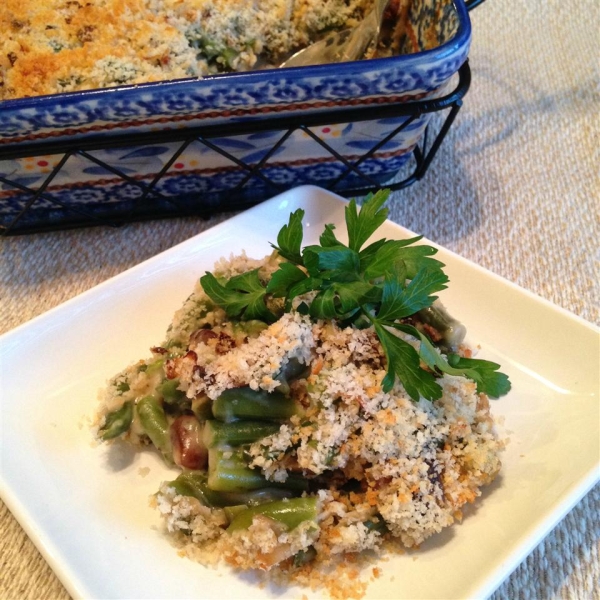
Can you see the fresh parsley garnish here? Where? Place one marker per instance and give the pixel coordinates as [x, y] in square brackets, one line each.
[290, 238]
[483, 372]
[362, 225]
[382, 283]
[403, 362]
[400, 300]
[284, 279]
[242, 296]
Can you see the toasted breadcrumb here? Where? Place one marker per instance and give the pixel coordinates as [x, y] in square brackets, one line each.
[68, 45]
[397, 471]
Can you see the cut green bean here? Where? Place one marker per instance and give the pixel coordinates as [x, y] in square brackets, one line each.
[246, 403]
[227, 478]
[183, 488]
[155, 366]
[292, 370]
[168, 390]
[194, 483]
[228, 472]
[231, 512]
[289, 512]
[117, 422]
[154, 423]
[452, 331]
[202, 408]
[236, 433]
[228, 56]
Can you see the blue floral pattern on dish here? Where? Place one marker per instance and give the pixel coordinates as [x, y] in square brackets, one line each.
[200, 170]
[192, 186]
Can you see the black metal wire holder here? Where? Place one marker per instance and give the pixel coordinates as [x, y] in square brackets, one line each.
[422, 155]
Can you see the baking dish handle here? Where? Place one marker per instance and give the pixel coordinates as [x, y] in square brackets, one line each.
[471, 4]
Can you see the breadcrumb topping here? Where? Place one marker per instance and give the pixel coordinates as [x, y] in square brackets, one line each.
[385, 470]
[68, 45]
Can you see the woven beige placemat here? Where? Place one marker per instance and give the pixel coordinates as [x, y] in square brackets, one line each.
[515, 188]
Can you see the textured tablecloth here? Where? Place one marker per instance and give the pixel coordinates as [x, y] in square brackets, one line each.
[514, 188]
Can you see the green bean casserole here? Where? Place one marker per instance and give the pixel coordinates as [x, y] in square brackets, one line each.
[68, 45]
[320, 406]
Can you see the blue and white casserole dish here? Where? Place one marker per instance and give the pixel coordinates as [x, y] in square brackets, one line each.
[119, 181]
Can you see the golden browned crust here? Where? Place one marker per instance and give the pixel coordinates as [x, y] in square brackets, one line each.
[68, 45]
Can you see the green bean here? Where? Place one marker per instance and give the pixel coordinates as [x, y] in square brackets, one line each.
[236, 433]
[292, 370]
[228, 56]
[168, 390]
[183, 488]
[246, 403]
[255, 497]
[155, 425]
[209, 49]
[227, 472]
[289, 512]
[452, 331]
[194, 483]
[154, 367]
[202, 408]
[228, 478]
[231, 512]
[117, 422]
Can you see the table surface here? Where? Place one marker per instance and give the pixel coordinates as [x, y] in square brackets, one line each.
[515, 188]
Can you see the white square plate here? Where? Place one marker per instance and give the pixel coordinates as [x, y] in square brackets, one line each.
[86, 508]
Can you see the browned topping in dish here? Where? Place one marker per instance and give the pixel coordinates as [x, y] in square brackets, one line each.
[67, 45]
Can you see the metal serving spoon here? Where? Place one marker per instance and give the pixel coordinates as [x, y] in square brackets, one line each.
[342, 46]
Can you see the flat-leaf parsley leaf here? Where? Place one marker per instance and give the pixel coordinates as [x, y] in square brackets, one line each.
[385, 284]
[242, 296]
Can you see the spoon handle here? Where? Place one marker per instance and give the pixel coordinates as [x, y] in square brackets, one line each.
[341, 46]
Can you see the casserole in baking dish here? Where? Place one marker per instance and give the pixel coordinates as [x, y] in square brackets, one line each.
[435, 33]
